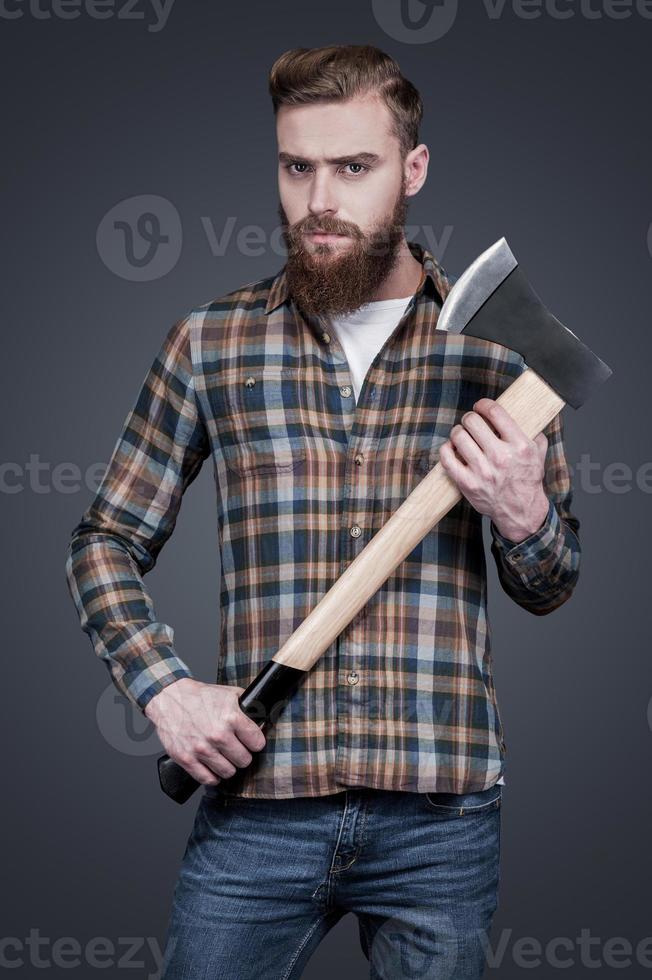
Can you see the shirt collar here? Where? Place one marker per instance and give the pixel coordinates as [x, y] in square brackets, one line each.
[432, 276]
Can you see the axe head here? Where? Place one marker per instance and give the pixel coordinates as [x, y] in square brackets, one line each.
[494, 301]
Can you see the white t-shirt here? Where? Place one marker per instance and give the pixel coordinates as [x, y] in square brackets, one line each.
[363, 333]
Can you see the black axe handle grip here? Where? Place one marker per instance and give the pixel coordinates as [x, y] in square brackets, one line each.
[262, 701]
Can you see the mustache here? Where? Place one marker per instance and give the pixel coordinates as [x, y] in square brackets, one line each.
[326, 227]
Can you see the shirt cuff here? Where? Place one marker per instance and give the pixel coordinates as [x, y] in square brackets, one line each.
[152, 679]
[528, 558]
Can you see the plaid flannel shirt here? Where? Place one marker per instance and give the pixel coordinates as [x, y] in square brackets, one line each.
[404, 699]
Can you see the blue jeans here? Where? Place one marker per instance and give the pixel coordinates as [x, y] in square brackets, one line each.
[262, 882]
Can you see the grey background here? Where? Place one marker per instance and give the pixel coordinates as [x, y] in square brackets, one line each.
[538, 130]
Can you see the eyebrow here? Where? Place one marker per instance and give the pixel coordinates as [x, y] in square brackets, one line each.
[363, 157]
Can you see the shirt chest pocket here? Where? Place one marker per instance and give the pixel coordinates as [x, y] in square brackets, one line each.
[261, 425]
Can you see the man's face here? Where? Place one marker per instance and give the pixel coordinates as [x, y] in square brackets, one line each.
[360, 200]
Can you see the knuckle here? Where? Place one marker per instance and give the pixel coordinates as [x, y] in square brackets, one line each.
[218, 736]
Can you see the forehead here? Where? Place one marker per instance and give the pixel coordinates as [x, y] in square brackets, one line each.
[327, 129]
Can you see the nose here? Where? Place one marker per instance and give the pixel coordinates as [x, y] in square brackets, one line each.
[321, 199]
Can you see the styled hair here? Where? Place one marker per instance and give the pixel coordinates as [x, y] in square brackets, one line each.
[343, 71]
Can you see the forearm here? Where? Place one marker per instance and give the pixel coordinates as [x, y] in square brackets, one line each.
[118, 540]
[117, 613]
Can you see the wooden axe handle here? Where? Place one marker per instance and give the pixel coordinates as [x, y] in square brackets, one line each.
[532, 403]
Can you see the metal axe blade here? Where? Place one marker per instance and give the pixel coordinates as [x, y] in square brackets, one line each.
[494, 301]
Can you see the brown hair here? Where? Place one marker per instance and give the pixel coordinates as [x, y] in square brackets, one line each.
[342, 71]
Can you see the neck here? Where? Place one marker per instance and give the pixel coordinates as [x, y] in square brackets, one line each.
[404, 278]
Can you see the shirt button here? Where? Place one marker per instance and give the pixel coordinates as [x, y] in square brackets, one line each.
[345, 391]
[352, 678]
[250, 382]
[326, 337]
[355, 531]
[359, 459]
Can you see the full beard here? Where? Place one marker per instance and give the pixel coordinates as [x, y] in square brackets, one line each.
[325, 283]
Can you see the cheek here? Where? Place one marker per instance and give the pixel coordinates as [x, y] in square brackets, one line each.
[371, 205]
[292, 199]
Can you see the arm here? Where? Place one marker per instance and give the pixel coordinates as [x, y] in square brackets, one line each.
[540, 572]
[159, 453]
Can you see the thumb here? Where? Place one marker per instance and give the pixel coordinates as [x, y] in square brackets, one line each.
[542, 444]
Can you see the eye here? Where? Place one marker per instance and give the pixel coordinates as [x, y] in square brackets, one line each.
[362, 168]
[288, 167]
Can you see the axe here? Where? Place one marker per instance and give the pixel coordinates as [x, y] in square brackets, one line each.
[492, 300]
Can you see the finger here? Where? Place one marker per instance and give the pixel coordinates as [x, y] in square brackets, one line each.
[481, 432]
[453, 466]
[502, 421]
[201, 773]
[467, 447]
[248, 731]
[542, 443]
[232, 748]
[216, 763]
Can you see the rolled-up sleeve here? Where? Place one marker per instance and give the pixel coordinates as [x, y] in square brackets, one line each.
[540, 572]
[118, 539]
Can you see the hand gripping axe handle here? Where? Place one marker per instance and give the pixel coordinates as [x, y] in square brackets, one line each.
[491, 300]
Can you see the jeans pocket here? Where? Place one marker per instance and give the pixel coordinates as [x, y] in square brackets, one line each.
[464, 804]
